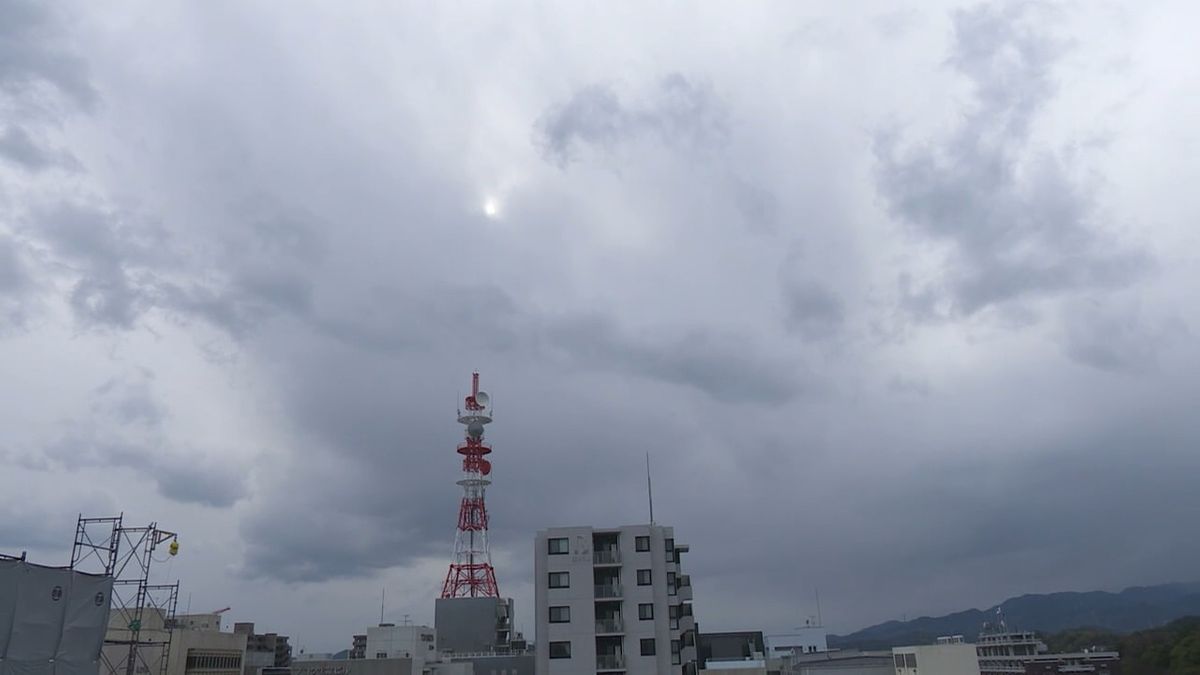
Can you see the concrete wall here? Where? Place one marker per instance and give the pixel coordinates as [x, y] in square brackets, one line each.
[523, 664]
[469, 625]
[950, 659]
[354, 667]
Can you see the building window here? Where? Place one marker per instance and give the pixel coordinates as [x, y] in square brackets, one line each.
[560, 580]
[648, 647]
[381, 655]
[641, 543]
[645, 611]
[675, 659]
[560, 614]
[558, 545]
[560, 650]
[910, 661]
[643, 578]
[672, 587]
[670, 544]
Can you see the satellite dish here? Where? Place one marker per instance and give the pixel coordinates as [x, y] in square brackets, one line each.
[475, 430]
[482, 398]
[485, 467]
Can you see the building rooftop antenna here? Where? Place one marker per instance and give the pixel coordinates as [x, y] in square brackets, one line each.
[649, 488]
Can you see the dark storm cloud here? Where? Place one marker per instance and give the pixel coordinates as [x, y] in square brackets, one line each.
[677, 111]
[1018, 223]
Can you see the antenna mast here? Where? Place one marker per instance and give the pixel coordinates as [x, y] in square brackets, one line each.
[471, 574]
[649, 489]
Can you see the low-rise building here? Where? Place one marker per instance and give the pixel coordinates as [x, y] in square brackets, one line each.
[807, 640]
[838, 662]
[951, 656]
[388, 641]
[1083, 663]
[263, 650]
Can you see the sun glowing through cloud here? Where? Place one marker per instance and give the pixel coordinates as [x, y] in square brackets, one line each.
[491, 207]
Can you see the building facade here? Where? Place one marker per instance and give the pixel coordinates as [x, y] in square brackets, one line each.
[389, 641]
[838, 662]
[473, 625]
[807, 640]
[725, 648]
[265, 650]
[1003, 651]
[1083, 663]
[945, 658]
[612, 601]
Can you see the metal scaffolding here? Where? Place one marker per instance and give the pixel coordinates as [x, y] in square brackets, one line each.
[142, 618]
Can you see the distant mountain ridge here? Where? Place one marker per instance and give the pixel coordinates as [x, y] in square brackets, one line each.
[1133, 609]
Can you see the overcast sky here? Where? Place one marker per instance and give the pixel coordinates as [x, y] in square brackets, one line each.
[902, 301]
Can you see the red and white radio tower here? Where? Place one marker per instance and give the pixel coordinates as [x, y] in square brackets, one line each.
[471, 574]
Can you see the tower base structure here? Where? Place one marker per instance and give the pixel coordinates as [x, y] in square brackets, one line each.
[473, 625]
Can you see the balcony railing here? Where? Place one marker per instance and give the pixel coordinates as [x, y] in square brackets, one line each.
[610, 626]
[610, 662]
[611, 557]
[608, 591]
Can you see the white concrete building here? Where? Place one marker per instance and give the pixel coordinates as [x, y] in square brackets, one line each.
[389, 641]
[945, 658]
[612, 601]
[807, 640]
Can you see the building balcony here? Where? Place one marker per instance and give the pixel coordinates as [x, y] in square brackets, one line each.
[684, 593]
[609, 557]
[609, 626]
[687, 623]
[608, 591]
[610, 662]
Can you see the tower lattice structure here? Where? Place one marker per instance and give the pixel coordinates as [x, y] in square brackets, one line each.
[471, 574]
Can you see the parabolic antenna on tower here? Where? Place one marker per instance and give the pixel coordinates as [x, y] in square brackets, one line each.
[482, 398]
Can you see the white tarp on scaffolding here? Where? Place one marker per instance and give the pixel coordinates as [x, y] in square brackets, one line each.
[52, 620]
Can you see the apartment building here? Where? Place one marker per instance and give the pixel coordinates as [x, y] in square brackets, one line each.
[613, 601]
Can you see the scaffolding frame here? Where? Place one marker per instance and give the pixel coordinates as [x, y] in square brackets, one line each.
[105, 546]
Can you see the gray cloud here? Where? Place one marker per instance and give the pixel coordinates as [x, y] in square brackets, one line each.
[33, 53]
[15, 286]
[722, 366]
[1117, 336]
[677, 112]
[182, 474]
[124, 431]
[298, 255]
[1018, 224]
[813, 310]
[18, 146]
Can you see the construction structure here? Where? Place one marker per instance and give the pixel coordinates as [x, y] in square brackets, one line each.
[52, 619]
[141, 620]
[471, 574]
